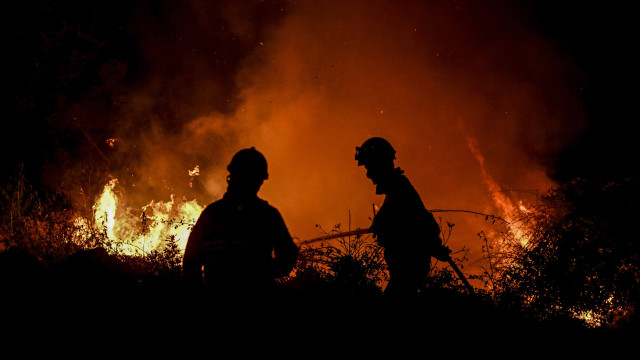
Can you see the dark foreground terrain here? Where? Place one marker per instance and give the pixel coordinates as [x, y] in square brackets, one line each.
[94, 297]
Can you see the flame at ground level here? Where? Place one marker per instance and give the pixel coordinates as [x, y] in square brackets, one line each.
[140, 231]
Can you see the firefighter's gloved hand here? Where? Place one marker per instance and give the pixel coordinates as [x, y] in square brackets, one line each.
[442, 253]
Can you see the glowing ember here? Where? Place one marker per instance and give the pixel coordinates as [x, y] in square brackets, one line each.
[193, 173]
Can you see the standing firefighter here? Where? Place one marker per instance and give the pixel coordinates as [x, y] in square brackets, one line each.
[407, 231]
[241, 240]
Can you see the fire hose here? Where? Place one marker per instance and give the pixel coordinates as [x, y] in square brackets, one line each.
[358, 232]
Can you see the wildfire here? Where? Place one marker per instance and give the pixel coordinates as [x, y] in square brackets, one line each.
[138, 231]
[105, 209]
[509, 209]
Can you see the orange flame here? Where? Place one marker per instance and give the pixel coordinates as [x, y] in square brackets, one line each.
[505, 204]
[139, 231]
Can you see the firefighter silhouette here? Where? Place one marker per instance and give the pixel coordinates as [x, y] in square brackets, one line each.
[406, 230]
[240, 241]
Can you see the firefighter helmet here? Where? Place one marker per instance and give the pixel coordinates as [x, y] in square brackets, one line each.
[249, 162]
[375, 149]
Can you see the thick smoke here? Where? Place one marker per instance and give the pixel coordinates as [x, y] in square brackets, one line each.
[431, 77]
[448, 83]
[165, 90]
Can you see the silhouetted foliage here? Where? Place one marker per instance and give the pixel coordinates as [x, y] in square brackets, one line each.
[41, 224]
[577, 256]
[350, 265]
[580, 259]
[46, 251]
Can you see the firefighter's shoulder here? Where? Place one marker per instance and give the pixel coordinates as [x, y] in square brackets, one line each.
[265, 206]
[215, 208]
[268, 209]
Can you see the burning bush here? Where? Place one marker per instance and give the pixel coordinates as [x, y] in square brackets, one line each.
[47, 249]
[572, 256]
[581, 255]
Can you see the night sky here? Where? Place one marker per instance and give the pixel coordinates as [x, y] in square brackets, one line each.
[600, 39]
[65, 53]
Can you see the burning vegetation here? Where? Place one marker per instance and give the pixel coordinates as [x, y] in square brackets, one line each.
[133, 110]
[570, 258]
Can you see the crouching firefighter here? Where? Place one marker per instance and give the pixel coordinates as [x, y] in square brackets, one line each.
[240, 241]
[404, 228]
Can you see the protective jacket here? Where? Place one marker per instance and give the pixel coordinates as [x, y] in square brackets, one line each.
[243, 245]
[407, 231]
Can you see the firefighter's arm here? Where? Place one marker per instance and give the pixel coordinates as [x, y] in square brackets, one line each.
[194, 257]
[285, 250]
[441, 253]
[377, 234]
[436, 246]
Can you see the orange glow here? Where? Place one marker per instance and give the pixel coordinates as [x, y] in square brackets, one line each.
[506, 206]
[475, 103]
[139, 231]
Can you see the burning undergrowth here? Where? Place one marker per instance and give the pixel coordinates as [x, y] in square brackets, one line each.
[146, 103]
[569, 271]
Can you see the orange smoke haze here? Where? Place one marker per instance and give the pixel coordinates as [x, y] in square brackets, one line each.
[466, 92]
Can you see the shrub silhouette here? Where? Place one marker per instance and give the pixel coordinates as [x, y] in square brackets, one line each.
[581, 258]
